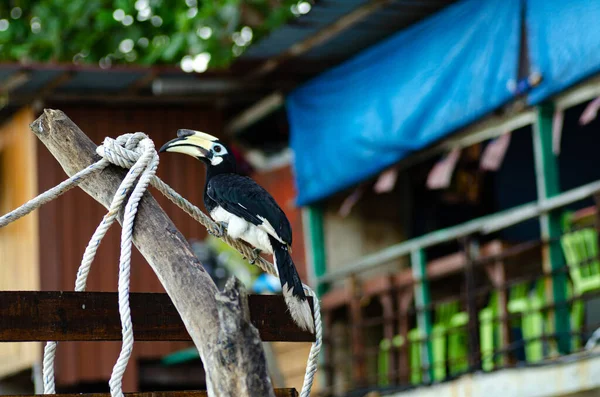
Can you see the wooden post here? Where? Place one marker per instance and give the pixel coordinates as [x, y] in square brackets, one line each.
[597, 215]
[502, 306]
[422, 299]
[405, 297]
[359, 369]
[547, 178]
[328, 347]
[471, 248]
[387, 304]
[190, 287]
[497, 275]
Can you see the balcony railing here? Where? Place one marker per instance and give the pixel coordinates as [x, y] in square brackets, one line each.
[490, 306]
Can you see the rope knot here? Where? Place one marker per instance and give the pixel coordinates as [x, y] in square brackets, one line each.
[126, 149]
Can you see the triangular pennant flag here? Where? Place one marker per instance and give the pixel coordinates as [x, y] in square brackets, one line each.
[386, 181]
[350, 201]
[557, 126]
[494, 153]
[440, 175]
[590, 112]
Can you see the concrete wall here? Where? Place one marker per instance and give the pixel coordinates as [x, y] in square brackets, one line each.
[575, 375]
[375, 222]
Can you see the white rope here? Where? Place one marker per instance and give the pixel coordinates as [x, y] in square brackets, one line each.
[315, 349]
[53, 193]
[146, 166]
[137, 152]
[48, 367]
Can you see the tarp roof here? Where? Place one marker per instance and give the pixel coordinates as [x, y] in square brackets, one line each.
[430, 80]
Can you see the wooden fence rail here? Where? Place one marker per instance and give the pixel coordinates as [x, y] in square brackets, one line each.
[278, 393]
[94, 316]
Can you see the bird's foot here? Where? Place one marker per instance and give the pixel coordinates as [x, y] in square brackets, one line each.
[221, 227]
[255, 256]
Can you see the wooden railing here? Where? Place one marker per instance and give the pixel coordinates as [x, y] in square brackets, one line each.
[278, 393]
[94, 316]
[27, 316]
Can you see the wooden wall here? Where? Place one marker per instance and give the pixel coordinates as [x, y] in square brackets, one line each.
[19, 268]
[375, 222]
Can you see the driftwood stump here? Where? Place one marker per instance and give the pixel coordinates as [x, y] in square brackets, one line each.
[228, 344]
[239, 347]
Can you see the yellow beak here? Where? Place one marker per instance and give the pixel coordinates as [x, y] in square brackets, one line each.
[190, 142]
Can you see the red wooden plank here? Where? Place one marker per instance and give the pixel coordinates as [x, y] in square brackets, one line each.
[200, 393]
[79, 316]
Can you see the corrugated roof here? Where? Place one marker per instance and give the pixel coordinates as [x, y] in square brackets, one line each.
[89, 80]
[100, 82]
[389, 19]
[38, 80]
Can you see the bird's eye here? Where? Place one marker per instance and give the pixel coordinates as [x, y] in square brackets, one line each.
[217, 149]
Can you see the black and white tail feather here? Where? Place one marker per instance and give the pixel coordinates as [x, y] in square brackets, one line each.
[293, 291]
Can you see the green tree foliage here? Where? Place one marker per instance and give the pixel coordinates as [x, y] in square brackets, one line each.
[105, 32]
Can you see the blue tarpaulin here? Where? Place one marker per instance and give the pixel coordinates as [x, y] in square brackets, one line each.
[564, 43]
[425, 82]
[401, 95]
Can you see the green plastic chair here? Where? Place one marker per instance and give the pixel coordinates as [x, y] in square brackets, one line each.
[439, 332]
[576, 316]
[490, 338]
[531, 323]
[532, 319]
[490, 330]
[449, 335]
[415, 339]
[458, 349]
[384, 357]
[581, 253]
[486, 335]
[450, 339]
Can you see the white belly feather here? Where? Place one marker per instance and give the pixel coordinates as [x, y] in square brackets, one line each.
[239, 228]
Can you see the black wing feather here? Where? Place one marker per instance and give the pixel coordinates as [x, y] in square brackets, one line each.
[245, 198]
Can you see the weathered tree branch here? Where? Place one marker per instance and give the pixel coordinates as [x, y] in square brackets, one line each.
[190, 287]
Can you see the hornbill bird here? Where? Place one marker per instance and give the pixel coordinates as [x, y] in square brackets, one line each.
[248, 212]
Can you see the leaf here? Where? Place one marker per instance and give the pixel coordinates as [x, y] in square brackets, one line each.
[103, 20]
[72, 26]
[176, 43]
